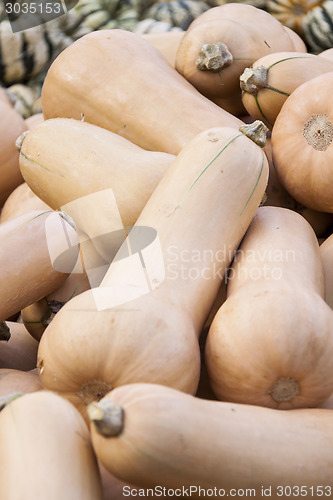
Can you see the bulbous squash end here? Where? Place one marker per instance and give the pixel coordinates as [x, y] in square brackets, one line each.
[285, 389]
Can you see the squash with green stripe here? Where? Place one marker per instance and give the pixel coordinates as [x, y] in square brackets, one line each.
[27, 53]
[151, 26]
[199, 212]
[176, 13]
[292, 13]
[318, 27]
[221, 43]
[272, 78]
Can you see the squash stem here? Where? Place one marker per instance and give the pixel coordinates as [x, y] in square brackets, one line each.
[20, 139]
[214, 57]
[107, 416]
[53, 307]
[4, 331]
[253, 79]
[256, 131]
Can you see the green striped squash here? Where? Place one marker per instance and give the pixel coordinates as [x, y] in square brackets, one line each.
[318, 27]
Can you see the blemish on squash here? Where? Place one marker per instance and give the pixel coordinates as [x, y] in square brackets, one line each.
[318, 132]
[93, 391]
[285, 389]
[34, 163]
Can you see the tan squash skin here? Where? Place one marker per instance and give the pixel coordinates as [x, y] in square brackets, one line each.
[90, 159]
[328, 53]
[12, 380]
[246, 39]
[45, 443]
[302, 144]
[175, 440]
[299, 45]
[113, 488]
[158, 111]
[21, 201]
[34, 120]
[285, 72]
[11, 127]
[166, 42]
[326, 253]
[31, 275]
[271, 342]
[277, 196]
[20, 352]
[200, 204]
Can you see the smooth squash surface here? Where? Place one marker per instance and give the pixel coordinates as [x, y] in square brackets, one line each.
[160, 436]
[131, 90]
[203, 204]
[271, 341]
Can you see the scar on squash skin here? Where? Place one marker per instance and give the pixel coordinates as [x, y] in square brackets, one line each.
[93, 391]
[285, 389]
[318, 132]
[34, 163]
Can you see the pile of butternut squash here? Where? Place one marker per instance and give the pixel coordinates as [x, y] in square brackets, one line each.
[166, 322]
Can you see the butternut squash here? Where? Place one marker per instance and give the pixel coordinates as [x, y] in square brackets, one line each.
[130, 329]
[150, 435]
[12, 381]
[298, 42]
[328, 53]
[167, 42]
[34, 120]
[20, 201]
[302, 143]
[20, 352]
[90, 159]
[221, 43]
[38, 430]
[114, 489]
[277, 196]
[272, 78]
[11, 127]
[34, 238]
[270, 343]
[169, 104]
